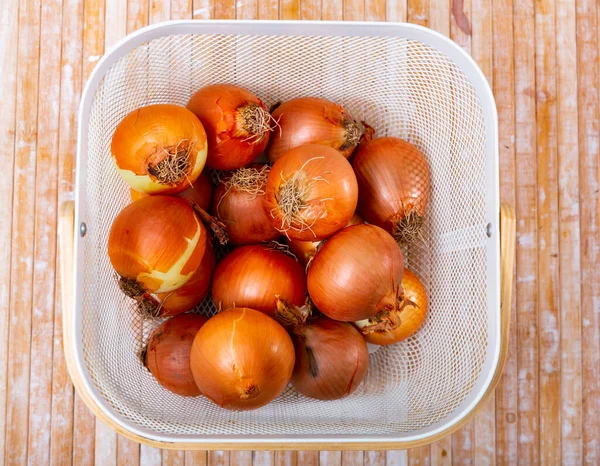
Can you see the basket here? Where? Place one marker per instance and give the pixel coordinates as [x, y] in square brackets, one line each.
[405, 81]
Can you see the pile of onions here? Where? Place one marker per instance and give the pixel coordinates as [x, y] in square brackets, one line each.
[311, 193]
[159, 149]
[305, 250]
[167, 353]
[258, 277]
[356, 274]
[156, 245]
[310, 120]
[394, 183]
[391, 327]
[238, 203]
[200, 192]
[185, 298]
[237, 124]
[242, 359]
[331, 357]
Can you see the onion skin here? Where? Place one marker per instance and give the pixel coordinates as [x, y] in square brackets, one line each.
[332, 359]
[394, 181]
[242, 211]
[167, 354]
[325, 192]
[409, 319]
[242, 359]
[219, 107]
[305, 250]
[200, 192]
[156, 244]
[257, 276]
[310, 120]
[145, 137]
[356, 274]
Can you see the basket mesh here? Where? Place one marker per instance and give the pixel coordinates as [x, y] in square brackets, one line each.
[402, 88]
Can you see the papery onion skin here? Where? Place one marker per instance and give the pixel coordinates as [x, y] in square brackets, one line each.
[257, 276]
[231, 142]
[200, 192]
[305, 250]
[167, 354]
[394, 181]
[356, 273]
[242, 359]
[311, 120]
[144, 140]
[156, 244]
[332, 359]
[240, 208]
[410, 317]
[311, 193]
[185, 298]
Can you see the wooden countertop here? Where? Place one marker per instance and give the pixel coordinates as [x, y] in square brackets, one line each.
[541, 58]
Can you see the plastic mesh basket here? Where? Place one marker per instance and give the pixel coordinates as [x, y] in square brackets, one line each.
[405, 81]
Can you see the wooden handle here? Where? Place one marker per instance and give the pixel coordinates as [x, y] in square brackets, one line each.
[66, 234]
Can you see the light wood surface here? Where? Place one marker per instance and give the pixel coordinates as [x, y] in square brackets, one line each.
[541, 58]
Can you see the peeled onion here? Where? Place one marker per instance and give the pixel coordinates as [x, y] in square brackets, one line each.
[238, 203]
[257, 277]
[237, 124]
[331, 359]
[185, 298]
[155, 245]
[387, 328]
[305, 250]
[310, 120]
[242, 359]
[200, 192]
[356, 274]
[159, 149]
[394, 181]
[311, 193]
[167, 353]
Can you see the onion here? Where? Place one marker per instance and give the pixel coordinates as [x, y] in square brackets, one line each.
[238, 203]
[305, 250]
[310, 120]
[394, 183]
[331, 357]
[258, 276]
[311, 193]
[200, 192]
[242, 359]
[356, 274]
[237, 124]
[167, 354]
[185, 298]
[390, 327]
[156, 244]
[159, 149]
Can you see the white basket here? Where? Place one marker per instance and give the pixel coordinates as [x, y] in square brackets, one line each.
[405, 81]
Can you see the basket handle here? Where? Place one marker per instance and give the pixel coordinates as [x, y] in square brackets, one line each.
[66, 231]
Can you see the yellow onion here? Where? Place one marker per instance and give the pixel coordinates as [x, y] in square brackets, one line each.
[159, 149]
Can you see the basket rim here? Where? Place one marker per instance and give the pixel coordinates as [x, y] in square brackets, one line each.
[275, 28]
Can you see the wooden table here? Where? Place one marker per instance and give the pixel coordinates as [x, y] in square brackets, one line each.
[542, 60]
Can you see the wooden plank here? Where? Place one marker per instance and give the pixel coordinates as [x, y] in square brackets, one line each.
[289, 9]
[548, 265]
[9, 36]
[526, 209]
[396, 10]
[21, 265]
[353, 458]
[354, 10]
[45, 214]
[218, 458]
[263, 458]
[128, 452]
[311, 9]
[441, 452]
[330, 458]
[589, 176]
[181, 9]
[150, 456]
[225, 9]
[268, 9]
[173, 458]
[420, 456]
[503, 85]
[374, 458]
[286, 458]
[203, 9]
[308, 458]
[396, 458]
[241, 458]
[160, 10]
[569, 238]
[195, 458]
